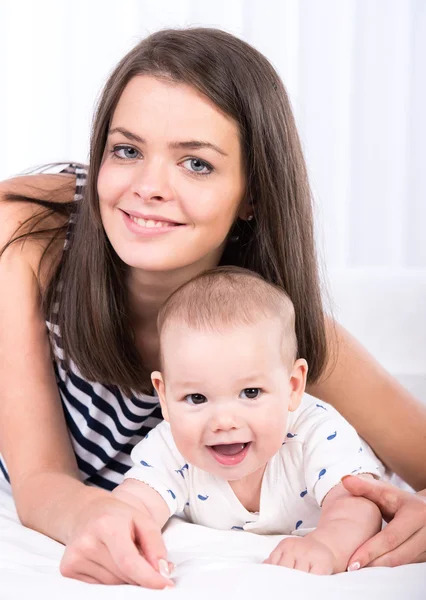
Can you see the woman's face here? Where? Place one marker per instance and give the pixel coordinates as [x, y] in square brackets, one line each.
[171, 182]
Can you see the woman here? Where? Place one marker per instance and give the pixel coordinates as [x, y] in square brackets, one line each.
[195, 161]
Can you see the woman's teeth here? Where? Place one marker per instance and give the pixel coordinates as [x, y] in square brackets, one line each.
[150, 223]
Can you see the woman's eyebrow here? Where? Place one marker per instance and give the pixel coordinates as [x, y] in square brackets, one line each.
[196, 145]
[191, 144]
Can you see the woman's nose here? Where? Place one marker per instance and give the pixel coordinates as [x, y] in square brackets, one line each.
[152, 182]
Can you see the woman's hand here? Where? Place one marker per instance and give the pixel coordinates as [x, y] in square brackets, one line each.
[115, 543]
[401, 542]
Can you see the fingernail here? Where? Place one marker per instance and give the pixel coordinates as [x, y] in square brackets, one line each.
[354, 566]
[164, 568]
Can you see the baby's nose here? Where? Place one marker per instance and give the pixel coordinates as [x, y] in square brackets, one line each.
[224, 419]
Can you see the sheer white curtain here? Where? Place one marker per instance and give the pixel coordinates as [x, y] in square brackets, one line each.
[355, 73]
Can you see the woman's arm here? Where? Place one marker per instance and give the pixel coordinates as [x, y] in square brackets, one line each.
[383, 412]
[34, 439]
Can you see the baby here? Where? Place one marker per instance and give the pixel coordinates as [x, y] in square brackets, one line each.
[239, 447]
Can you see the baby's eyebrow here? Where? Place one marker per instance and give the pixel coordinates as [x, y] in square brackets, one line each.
[250, 378]
[190, 144]
[190, 385]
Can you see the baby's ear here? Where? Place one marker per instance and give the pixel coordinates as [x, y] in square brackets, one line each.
[297, 383]
[158, 383]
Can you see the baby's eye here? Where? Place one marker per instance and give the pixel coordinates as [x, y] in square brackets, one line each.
[250, 393]
[195, 399]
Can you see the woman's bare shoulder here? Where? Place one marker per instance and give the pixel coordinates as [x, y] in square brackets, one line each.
[17, 216]
[48, 187]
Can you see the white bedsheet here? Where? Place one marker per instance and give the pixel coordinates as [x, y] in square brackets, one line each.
[211, 564]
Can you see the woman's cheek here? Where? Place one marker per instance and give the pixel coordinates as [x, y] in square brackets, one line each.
[111, 184]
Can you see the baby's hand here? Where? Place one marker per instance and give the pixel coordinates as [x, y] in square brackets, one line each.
[304, 554]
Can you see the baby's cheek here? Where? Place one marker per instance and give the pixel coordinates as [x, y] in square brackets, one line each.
[274, 426]
[184, 439]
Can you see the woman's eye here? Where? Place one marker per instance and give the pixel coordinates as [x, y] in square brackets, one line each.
[125, 152]
[195, 399]
[198, 166]
[250, 393]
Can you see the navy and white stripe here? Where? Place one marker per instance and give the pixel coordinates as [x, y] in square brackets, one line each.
[104, 425]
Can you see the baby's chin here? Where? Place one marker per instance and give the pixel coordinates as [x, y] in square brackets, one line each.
[247, 472]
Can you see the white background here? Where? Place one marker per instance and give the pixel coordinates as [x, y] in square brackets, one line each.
[355, 72]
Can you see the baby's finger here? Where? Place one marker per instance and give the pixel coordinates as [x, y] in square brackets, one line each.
[318, 568]
[287, 559]
[413, 550]
[302, 564]
[392, 536]
[274, 557]
[86, 579]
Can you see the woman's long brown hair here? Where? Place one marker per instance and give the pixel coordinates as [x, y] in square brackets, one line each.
[93, 313]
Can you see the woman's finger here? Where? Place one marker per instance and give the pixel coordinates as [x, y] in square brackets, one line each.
[387, 496]
[413, 551]
[398, 532]
[105, 560]
[75, 564]
[132, 564]
[91, 558]
[149, 538]
[96, 573]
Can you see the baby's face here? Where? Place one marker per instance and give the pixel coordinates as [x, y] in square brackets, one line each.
[227, 395]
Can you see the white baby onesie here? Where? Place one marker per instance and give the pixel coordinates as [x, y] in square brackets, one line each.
[319, 448]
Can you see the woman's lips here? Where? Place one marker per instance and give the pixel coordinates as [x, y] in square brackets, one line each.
[150, 217]
[148, 227]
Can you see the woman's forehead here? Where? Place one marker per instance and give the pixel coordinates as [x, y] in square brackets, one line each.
[173, 110]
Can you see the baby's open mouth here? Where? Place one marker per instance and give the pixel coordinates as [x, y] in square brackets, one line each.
[229, 449]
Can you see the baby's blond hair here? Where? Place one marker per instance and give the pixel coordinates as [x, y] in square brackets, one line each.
[227, 297]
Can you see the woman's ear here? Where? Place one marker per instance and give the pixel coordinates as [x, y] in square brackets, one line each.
[297, 383]
[158, 383]
[246, 210]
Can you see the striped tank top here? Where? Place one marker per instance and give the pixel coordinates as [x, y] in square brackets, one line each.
[104, 425]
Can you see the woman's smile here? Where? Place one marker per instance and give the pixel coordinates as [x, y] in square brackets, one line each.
[149, 225]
